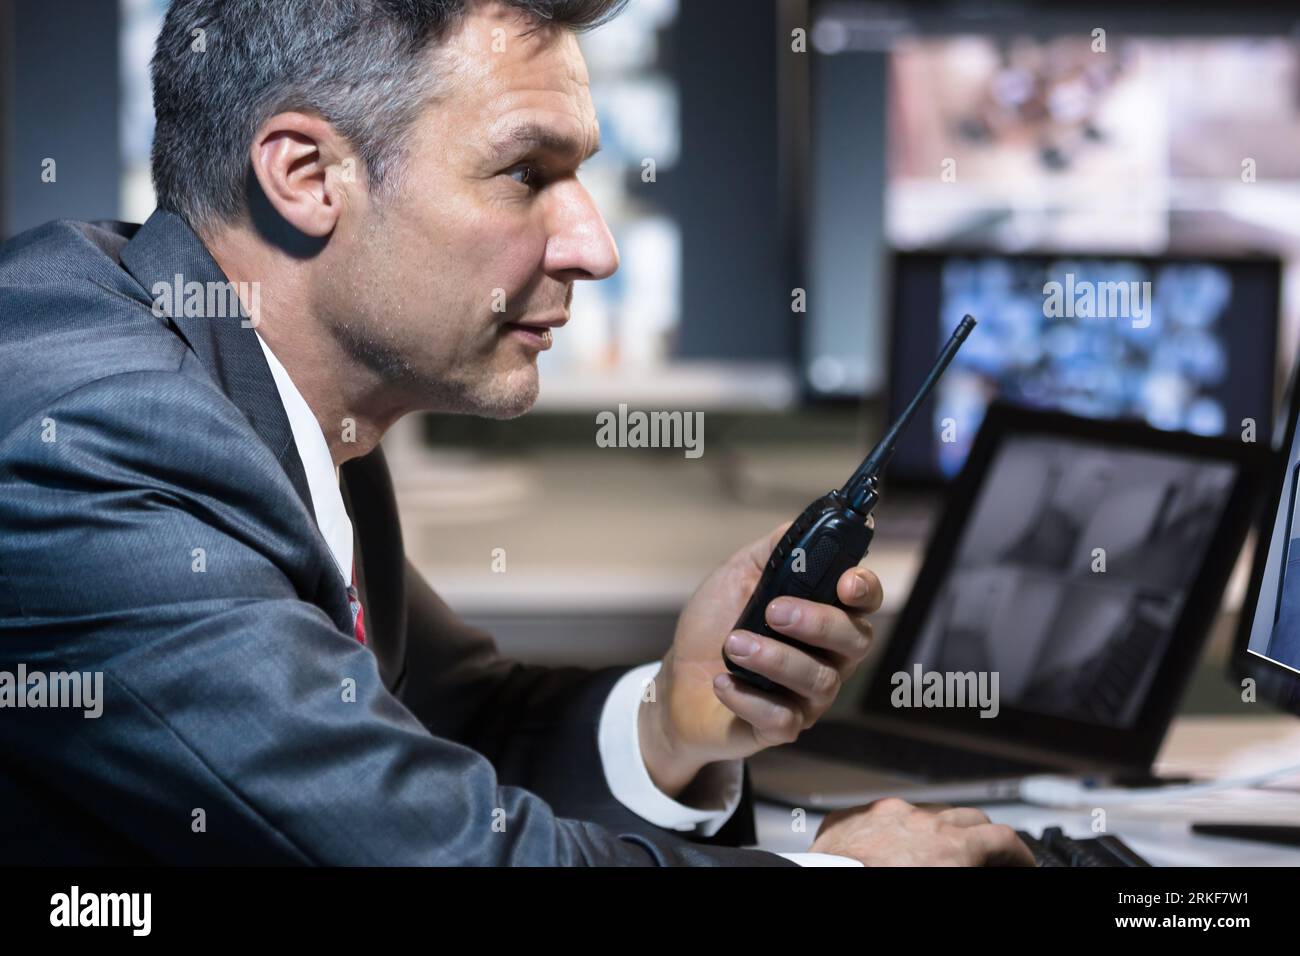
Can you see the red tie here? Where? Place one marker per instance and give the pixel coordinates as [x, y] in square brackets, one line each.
[358, 613]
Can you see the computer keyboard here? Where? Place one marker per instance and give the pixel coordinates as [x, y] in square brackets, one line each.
[1054, 848]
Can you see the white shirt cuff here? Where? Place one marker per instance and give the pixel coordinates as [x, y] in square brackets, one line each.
[619, 740]
[820, 859]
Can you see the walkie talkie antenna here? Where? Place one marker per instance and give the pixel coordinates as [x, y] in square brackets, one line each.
[861, 490]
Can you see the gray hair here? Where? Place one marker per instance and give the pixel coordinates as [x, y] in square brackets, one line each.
[222, 67]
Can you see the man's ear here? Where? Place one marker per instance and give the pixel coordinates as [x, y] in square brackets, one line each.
[297, 160]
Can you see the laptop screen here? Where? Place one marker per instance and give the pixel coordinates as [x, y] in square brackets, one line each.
[1072, 572]
[1070, 583]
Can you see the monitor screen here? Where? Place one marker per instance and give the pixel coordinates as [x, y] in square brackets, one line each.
[1072, 572]
[1274, 616]
[1010, 133]
[1180, 344]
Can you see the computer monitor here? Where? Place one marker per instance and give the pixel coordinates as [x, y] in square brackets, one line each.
[1267, 658]
[998, 127]
[1182, 344]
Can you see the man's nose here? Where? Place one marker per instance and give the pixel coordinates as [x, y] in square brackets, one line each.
[579, 245]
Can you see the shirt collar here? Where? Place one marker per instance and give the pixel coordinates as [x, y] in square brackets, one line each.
[322, 476]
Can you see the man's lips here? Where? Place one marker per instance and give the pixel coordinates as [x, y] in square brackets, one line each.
[535, 332]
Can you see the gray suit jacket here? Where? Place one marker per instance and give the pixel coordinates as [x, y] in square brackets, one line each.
[228, 734]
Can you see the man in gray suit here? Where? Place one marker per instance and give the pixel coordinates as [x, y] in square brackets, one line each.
[198, 523]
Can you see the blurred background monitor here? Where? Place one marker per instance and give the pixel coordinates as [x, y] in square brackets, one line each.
[1108, 130]
[1176, 343]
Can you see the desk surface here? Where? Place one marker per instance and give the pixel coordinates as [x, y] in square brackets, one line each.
[1159, 831]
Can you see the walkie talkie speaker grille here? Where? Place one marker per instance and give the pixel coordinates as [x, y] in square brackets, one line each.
[819, 559]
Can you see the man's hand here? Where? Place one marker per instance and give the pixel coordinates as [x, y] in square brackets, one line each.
[700, 714]
[892, 832]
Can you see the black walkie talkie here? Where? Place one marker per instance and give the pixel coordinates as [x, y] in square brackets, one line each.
[832, 534]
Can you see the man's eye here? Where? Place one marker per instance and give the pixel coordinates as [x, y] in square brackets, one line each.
[526, 176]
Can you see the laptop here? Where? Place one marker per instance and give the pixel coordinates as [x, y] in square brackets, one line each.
[1065, 595]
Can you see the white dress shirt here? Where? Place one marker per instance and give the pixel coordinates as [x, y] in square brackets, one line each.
[618, 736]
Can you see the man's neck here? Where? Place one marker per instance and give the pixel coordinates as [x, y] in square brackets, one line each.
[347, 400]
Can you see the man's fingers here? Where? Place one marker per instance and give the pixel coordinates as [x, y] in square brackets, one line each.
[788, 666]
[860, 589]
[821, 625]
[774, 720]
[996, 844]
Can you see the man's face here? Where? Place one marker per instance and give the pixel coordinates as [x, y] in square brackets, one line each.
[452, 286]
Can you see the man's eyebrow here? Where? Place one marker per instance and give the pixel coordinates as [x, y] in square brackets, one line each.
[534, 137]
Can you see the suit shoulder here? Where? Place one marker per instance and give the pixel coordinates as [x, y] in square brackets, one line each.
[64, 252]
[182, 400]
[70, 314]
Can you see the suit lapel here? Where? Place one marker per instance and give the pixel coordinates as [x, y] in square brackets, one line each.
[164, 249]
